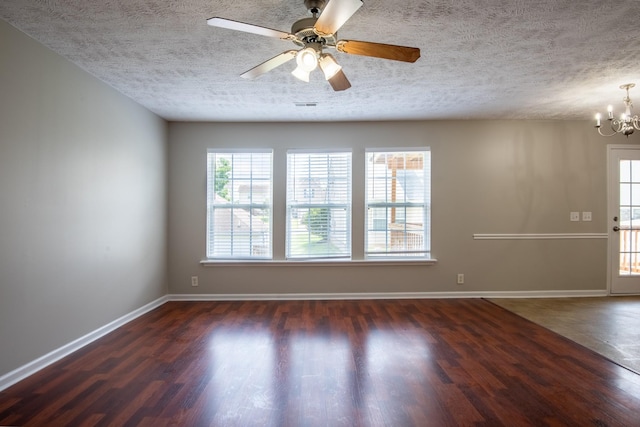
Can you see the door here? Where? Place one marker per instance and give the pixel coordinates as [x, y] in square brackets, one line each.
[624, 219]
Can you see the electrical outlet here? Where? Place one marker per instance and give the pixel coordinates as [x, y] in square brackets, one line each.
[194, 280]
[460, 278]
[574, 216]
[586, 216]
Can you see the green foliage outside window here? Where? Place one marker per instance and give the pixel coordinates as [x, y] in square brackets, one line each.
[223, 168]
[318, 221]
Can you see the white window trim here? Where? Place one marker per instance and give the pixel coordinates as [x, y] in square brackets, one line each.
[242, 151]
[349, 207]
[421, 255]
[278, 209]
[418, 261]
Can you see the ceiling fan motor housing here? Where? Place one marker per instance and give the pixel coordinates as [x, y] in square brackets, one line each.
[303, 30]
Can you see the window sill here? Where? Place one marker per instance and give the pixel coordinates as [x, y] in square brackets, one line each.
[319, 263]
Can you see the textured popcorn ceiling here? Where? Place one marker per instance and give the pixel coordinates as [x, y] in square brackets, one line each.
[515, 59]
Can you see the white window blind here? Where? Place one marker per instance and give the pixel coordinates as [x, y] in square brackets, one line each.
[239, 198]
[318, 205]
[398, 204]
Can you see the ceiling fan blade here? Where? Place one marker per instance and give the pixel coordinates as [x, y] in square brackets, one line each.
[248, 28]
[379, 50]
[269, 65]
[339, 82]
[334, 15]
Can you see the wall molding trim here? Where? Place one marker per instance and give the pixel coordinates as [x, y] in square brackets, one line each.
[34, 366]
[541, 236]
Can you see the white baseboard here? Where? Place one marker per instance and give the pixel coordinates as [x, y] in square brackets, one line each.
[31, 368]
[545, 294]
[386, 295]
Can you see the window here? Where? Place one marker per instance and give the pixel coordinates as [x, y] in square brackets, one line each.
[318, 205]
[239, 194]
[397, 204]
[316, 189]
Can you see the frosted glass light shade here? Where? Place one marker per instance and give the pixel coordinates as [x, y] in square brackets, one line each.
[301, 74]
[307, 59]
[329, 66]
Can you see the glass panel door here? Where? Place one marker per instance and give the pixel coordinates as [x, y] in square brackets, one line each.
[624, 212]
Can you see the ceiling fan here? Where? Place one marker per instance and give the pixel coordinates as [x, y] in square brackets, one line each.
[314, 35]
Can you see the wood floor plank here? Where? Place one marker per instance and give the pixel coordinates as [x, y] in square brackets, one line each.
[338, 363]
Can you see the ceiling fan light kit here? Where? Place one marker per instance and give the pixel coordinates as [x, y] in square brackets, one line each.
[315, 34]
[307, 58]
[329, 66]
[307, 62]
[627, 123]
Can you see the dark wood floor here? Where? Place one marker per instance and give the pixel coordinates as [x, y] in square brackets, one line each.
[328, 363]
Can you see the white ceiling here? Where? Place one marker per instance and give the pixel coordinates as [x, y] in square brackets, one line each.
[514, 59]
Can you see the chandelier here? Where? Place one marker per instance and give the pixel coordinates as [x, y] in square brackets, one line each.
[627, 123]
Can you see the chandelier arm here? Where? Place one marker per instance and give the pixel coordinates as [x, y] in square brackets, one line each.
[617, 124]
[616, 127]
[636, 122]
[604, 134]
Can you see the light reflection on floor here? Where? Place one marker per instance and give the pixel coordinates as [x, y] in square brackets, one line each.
[320, 376]
[243, 361]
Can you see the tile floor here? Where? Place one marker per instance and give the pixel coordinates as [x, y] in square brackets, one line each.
[607, 325]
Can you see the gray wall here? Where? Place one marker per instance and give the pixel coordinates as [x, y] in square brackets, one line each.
[83, 202]
[488, 177]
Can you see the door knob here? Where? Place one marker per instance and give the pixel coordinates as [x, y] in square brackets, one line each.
[616, 228]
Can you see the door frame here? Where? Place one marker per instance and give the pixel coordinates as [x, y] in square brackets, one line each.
[613, 184]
